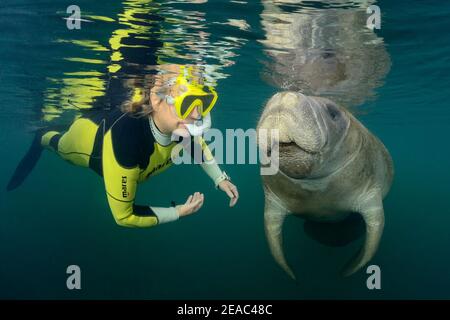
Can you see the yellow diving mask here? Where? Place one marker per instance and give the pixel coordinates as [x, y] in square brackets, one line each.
[190, 95]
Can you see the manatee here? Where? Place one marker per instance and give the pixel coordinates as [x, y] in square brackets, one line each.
[324, 50]
[329, 165]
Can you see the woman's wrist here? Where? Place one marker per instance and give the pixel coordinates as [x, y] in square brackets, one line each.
[224, 176]
[165, 215]
[180, 211]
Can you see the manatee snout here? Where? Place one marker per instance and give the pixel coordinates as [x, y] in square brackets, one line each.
[298, 121]
[307, 127]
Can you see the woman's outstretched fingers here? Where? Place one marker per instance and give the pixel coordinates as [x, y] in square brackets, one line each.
[235, 191]
[191, 204]
[228, 192]
[233, 201]
[231, 191]
[199, 203]
[235, 195]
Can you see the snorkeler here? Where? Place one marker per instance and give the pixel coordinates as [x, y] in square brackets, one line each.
[128, 145]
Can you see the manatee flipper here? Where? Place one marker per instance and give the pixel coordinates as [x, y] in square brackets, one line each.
[27, 163]
[274, 216]
[373, 215]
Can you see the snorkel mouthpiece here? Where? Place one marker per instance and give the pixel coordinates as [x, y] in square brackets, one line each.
[199, 127]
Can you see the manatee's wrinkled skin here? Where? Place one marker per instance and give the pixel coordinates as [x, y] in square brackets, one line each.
[327, 52]
[329, 165]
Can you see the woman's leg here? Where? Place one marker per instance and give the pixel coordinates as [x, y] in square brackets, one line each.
[75, 145]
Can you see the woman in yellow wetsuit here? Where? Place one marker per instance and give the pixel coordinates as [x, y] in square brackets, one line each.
[129, 145]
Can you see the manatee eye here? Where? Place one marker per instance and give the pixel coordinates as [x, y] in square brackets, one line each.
[332, 111]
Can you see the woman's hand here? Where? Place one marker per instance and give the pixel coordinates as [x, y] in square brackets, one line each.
[193, 203]
[231, 190]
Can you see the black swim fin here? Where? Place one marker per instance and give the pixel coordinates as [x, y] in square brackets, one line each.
[27, 163]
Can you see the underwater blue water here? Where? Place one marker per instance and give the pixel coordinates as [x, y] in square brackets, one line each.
[60, 216]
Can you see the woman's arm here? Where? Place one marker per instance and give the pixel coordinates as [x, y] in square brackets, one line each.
[209, 164]
[213, 170]
[128, 214]
[121, 186]
[221, 180]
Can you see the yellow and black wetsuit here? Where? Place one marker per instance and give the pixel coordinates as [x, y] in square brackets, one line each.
[125, 150]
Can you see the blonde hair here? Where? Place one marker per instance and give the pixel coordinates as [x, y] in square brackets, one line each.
[139, 102]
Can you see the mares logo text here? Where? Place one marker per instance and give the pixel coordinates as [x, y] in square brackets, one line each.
[124, 187]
